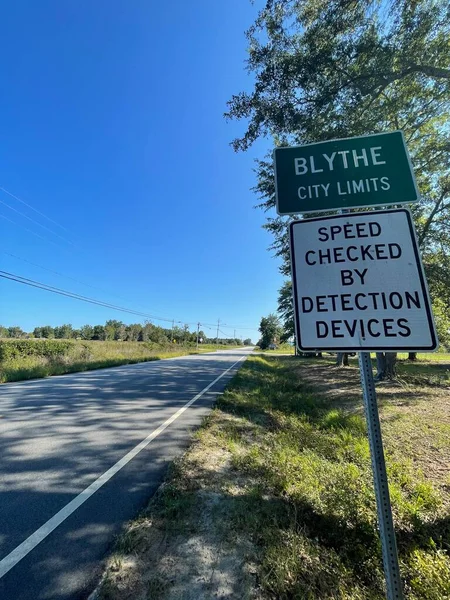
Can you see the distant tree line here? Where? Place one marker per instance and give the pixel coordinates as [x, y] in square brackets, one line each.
[119, 331]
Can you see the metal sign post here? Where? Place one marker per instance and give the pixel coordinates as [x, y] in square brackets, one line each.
[357, 278]
[385, 522]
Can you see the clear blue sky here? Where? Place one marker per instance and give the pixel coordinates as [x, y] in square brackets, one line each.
[112, 125]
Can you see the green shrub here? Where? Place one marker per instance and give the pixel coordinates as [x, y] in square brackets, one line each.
[429, 574]
[29, 359]
[10, 349]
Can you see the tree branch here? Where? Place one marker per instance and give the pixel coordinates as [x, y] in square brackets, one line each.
[436, 209]
[437, 72]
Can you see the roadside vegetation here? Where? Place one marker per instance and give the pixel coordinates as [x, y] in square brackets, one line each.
[118, 331]
[275, 499]
[30, 359]
[279, 349]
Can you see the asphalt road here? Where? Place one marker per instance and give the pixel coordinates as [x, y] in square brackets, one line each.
[81, 454]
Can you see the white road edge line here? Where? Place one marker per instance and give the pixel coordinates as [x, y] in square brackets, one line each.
[46, 529]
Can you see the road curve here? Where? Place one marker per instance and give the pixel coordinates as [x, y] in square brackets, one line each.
[81, 454]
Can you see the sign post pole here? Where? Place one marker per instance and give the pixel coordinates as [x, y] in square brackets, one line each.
[357, 278]
[385, 522]
[383, 500]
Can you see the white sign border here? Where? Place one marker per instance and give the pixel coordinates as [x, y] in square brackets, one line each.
[421, 273]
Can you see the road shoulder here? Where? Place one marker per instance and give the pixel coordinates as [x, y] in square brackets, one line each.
[275, 499]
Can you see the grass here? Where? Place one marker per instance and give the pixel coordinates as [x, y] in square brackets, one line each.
[286, 460]
[88, 355]
[282, 349]
[428, 369]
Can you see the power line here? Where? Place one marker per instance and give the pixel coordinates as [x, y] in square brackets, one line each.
[61, 292]
[204, 325]
[239, 328]
[232, 326]
[225, 334]
[63, 275]
[208, 325]
[29, 230]
[52, 271]
[34, 221]
[68, 294]
[32, 208]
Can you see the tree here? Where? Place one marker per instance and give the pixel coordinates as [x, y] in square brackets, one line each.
[86, 332]
[271, 331]
[47, 332]
[146, 332]
[386, 362]
[247, 342]
[3, 332]
[99, 333]
[178, 334]
[114, 330]
[186, 334]
[64, 332]
[132, 332]
[342, 359]
[16, 332]
[286, 310]
[437, 268]
[327, 69]
[442, 320]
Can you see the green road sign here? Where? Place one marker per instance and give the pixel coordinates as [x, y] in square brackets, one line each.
[347, 173]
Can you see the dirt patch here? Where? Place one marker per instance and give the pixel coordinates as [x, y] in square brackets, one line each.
[203, 557]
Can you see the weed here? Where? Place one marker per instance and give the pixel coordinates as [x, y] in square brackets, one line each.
[33, 359]
[317, 462]
[156, 588]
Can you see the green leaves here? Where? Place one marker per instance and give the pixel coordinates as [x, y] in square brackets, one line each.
[328, 69]
[314, 60]
[10, 349]
[271, 331]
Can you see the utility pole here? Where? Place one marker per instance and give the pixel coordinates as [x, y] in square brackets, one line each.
[173, 325]
[234, 337]
[198, 331]
[217, 336]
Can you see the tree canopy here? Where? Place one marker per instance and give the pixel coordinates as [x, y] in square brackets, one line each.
[326, 69]
[271, 331]
[286, 310]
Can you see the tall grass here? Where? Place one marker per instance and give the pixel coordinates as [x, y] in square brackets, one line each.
[309, 461]
[35, 360]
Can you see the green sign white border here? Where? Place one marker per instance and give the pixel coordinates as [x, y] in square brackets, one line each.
[334, 208]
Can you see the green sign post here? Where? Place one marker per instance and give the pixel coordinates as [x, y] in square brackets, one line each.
[371, 170]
